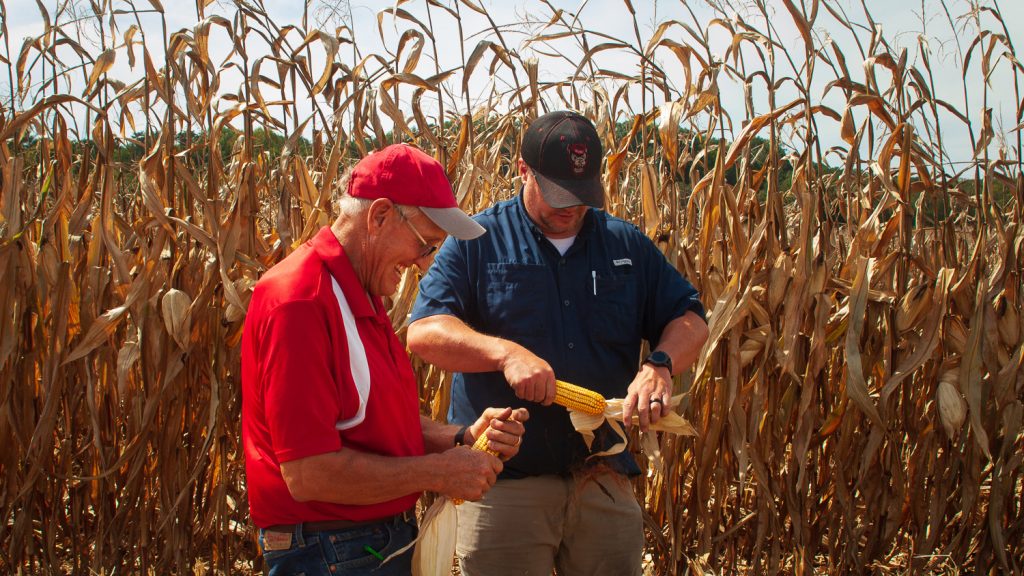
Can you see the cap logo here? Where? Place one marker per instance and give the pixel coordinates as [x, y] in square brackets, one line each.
[578, 157]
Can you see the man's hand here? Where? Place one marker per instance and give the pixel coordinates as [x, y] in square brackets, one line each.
[648, 396]
[468, 474]
[504, 429]
[529, 375]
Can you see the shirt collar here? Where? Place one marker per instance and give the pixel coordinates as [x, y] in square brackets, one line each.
[331, 252]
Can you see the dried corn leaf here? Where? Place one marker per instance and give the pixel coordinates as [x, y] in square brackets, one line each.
[856, 385]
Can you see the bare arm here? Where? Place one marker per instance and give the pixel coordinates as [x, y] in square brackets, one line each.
[682, 339]
[450, 344]
[352, 477]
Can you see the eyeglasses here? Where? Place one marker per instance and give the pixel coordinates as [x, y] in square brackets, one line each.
[428, 249]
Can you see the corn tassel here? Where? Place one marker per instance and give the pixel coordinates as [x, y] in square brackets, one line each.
[578, 398]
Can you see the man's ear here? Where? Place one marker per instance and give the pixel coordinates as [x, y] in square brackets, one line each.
[379, 212]
[523, 168]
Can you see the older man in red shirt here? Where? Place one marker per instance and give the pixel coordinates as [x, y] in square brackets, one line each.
[336, 450]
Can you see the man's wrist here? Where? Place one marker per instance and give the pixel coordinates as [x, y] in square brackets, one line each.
[506, 349]
[659, 359]
[460, 436]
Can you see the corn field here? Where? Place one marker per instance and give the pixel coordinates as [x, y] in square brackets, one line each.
[859, 404]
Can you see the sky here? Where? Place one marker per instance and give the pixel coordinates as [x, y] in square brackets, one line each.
[901, 22]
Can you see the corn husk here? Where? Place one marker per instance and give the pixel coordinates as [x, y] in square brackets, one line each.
[434, 547]
[1007, 321]
[912, 306]
[436, 543]
[952, 407]
[175, 305]
[585, 424]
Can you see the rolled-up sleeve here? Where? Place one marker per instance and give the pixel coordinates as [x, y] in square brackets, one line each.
[672, 295]
[446, 287]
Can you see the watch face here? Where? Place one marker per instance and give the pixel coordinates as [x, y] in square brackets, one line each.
[659, 358]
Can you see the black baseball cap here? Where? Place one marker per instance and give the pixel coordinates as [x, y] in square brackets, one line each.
[565, 153]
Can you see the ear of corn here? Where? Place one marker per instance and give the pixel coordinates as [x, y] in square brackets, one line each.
[578, 398]
[482, 445]
[952, 406]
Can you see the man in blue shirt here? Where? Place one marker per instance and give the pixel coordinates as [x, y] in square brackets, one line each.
[557, 288]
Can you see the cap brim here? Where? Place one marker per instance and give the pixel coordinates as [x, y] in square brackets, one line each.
[454, 221]
[560, 193]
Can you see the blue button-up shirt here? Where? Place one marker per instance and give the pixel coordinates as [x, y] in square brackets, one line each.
[586, 313]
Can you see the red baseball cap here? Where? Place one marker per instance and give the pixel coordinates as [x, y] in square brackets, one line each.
[406, 175]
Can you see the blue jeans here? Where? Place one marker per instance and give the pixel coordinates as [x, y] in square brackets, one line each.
[344, 552]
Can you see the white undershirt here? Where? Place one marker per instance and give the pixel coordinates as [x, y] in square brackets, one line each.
[562, 244]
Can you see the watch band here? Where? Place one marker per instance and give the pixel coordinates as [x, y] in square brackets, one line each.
[460, 436]
[659, 358]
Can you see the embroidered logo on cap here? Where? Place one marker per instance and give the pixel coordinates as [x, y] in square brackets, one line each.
[578, 156]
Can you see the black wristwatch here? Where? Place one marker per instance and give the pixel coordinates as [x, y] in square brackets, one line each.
[659, 358]
[460, 436]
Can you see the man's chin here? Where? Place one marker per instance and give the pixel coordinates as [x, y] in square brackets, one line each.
[393, 289]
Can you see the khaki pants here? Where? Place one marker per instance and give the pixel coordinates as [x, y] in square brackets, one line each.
[587, 525]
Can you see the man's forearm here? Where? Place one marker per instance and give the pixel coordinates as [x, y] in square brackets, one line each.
[448, 343]
[437, 437]
[357, 478]
[683, 339]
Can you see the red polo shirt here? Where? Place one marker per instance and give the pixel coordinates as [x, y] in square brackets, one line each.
[297, 382]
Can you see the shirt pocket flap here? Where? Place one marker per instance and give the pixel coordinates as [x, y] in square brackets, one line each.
[515, 295]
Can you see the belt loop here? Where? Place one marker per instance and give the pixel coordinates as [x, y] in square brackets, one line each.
[299, 540]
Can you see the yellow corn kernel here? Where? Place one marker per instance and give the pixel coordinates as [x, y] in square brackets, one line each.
[578, 398]
[481, 444]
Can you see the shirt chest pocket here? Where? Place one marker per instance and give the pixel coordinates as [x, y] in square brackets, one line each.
[614, 309]
[514, 296]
